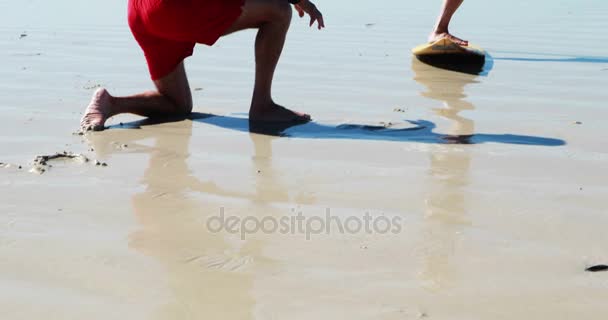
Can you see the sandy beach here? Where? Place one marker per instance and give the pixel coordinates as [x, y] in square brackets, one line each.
[495, 184]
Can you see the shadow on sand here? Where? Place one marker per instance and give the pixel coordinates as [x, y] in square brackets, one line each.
[549, 57]
[420, 131]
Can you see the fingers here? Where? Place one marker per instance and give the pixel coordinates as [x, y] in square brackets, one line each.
[318, 18]
[321, 22]
[313, 12]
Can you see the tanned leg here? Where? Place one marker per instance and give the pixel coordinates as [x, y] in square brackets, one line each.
[171, 98]
[441, 29]
[272, 19]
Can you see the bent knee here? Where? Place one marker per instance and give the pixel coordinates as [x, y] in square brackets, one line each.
[181, 107]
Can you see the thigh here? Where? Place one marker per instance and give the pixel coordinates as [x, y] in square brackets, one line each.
[163, 54]
[257, 12]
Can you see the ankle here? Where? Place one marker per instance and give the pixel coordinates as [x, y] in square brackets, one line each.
[261, 103]
[111, 106]
[440, 29]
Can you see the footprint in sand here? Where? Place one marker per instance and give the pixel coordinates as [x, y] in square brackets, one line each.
[223, 262]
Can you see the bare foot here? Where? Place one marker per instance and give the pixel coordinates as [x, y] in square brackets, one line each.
[275, 113]
[436, 36]
[98, 111]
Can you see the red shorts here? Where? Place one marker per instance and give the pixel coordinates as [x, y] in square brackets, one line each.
[168, 30]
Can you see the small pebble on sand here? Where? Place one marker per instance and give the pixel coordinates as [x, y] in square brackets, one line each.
[90, 86]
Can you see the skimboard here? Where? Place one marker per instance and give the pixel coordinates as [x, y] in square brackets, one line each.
[447, 47]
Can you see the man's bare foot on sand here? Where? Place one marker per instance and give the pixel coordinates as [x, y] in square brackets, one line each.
[98, 111]
[275, 113]
[436, 36]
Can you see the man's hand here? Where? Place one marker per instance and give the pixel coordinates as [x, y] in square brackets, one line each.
[307, 7]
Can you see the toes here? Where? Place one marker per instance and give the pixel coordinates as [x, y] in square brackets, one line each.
[458, 40]
[451, 37]
[91, 122]
[91, 127]
[296, 116]
[305, 117]
[300, 117]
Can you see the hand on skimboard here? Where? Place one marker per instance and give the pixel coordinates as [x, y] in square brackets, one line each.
[447, 47]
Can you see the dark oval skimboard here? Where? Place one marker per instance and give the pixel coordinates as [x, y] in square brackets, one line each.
[447, 54]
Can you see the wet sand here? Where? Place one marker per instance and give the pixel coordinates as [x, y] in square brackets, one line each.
[499, 178]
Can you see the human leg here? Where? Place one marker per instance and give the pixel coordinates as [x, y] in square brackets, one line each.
[172, 97]
[441, 29]
[272, 19]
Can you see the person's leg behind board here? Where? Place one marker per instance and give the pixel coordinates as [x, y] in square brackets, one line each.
[441, 29]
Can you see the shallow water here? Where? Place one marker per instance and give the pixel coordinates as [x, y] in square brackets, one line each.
[500, 180]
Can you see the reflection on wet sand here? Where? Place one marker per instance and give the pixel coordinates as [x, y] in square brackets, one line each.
[449, 171]
[207, 274]
[210, 275]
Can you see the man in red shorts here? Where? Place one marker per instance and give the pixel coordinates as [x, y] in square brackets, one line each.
[168, 30]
